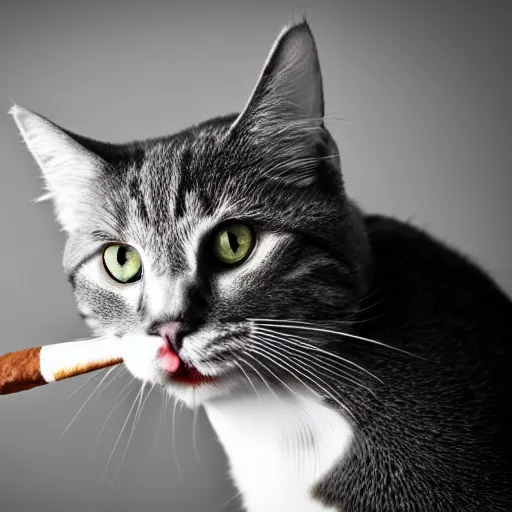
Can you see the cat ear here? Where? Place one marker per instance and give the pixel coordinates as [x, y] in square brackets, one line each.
[287, 104]
[290, 85]
[69, 169]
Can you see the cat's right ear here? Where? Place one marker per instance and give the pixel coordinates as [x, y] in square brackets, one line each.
[289, 88]
[286, 108]
[68, 168]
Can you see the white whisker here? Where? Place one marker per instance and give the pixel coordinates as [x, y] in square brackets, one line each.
[194, 435]
[122, 429]
[291, 343]
[134, 425]
[309, 378]
[85, 403]
[175, 452]
[300, 399]
[163, 404]
[121, 369]
[248, 378]
[306, 327]
[236, 495]
[114, 407]
[320, 364]
[301, 340]
[260, 375]
[94, 376]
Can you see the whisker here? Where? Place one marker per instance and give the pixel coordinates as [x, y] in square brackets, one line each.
[94, 376]
[293, 321]
[194, 435]
[143, 401]
[373, 304]
[248, 378]
[122, 429]
[279, 353]
[260, 375]
[303, 383]
[329, 118]
[342, 406]
[306, 327]
[134, 425]
[364, 320]
[301, 340]
[115, 406]
[300, 399]
[110, 381]
[321, 364]
[292, 346]
[236, 495]
[85, 403]
[163, 403]
[175, 452]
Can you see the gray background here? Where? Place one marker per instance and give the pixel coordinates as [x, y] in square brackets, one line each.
[423, 91]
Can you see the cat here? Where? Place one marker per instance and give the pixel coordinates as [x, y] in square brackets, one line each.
[347, 361]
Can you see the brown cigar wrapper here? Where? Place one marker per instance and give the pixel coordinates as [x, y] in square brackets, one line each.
[20, 371]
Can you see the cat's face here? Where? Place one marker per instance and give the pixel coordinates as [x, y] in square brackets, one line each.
[189, 246]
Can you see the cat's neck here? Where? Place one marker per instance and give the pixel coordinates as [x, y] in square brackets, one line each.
[279, 446]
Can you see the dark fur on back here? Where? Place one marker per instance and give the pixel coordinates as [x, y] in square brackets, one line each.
[436, 437]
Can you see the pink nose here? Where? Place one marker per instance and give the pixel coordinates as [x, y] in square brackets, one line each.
[170, 332]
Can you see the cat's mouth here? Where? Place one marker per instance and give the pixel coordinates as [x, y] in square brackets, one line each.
[180, 371]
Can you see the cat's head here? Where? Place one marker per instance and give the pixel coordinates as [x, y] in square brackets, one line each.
[202, 243]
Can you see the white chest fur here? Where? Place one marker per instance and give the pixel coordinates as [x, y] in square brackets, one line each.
[279, 448]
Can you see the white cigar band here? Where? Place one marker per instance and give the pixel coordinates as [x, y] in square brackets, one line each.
[64, 360]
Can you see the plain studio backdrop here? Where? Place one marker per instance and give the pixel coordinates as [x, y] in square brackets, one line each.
[421, 93]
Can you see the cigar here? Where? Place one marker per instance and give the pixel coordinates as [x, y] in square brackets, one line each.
[33, 367]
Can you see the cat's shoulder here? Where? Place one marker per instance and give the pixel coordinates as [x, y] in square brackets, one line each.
[407, 252]
[382, 228]
[395, 237]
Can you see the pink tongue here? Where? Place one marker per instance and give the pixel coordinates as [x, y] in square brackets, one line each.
[170, 361]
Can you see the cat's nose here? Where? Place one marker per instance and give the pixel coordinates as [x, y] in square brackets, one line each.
[173, 334]
[173, 330]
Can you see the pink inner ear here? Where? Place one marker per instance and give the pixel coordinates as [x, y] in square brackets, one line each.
[169, 360]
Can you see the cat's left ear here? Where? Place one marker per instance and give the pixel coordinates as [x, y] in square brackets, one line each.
[69, 169]
[286, 108]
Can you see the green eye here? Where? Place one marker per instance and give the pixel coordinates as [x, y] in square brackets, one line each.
[122, 263]
[232, 243]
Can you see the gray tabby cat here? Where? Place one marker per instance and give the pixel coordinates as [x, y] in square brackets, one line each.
[346, 362]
